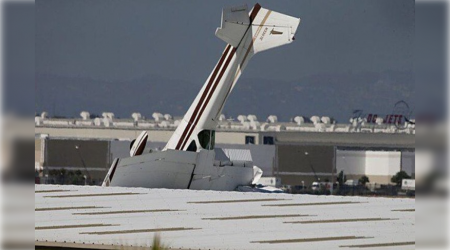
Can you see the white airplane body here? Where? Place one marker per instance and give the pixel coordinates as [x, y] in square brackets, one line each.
[189, 159]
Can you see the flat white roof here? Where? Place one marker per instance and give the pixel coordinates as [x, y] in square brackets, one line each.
[91, 216]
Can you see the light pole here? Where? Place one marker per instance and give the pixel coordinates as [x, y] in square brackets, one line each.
[333, 167]
[77, 148]
[311, 166]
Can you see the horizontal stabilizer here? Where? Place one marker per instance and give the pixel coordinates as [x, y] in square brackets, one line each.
[235, 22]
[272, 29]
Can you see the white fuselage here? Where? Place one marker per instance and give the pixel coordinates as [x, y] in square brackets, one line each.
[181, 170]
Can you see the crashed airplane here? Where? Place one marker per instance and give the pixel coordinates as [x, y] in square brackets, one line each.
[190, 160]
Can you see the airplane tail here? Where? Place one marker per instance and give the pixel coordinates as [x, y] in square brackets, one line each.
[245, 34]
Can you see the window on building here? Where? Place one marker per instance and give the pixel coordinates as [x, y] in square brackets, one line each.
[249, 140]
[206, 138]
[268, 140]
[192, 147]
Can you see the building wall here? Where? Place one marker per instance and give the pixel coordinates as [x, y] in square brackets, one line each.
[38, 159]
[98, 133]
[351, 162]
[297, 163]
[63, 154]
[5, 157]
[409, 162]
[382, 163]
[121, 149]
[234, 137]
[287, 161]
[159, 135]
[379, 166]
[358, 140]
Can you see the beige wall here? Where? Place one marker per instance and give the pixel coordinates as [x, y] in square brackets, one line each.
[5, 158]
[38, 151]
[238, 137]
[234, 137]
[128, 134]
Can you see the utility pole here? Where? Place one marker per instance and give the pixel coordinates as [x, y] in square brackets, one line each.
[333, 167]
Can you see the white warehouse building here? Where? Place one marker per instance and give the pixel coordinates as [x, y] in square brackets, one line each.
[296, 152]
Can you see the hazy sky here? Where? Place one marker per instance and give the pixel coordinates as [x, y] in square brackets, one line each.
[119, 40]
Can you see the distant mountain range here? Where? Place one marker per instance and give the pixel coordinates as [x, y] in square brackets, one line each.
[335, 95]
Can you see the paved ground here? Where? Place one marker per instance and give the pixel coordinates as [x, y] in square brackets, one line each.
[96, 217]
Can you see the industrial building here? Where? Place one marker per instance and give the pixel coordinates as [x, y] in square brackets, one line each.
[298, 152]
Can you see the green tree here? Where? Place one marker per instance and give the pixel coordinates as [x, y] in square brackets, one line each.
[399, 177]
[363, 180]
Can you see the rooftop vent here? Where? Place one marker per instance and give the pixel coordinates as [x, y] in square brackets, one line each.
[252, 118]
[315, 119]
[157, 116]
[222, 117]
[299, 120]
[168, 117]
[136, 116]
[326, 120]
[272, 119]
[242, 118]
[108, 115]
[85, 115]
